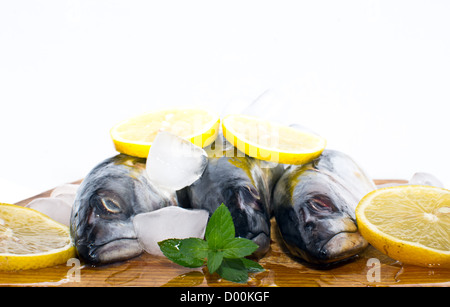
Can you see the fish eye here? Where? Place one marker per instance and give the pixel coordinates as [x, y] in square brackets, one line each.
[110, 205]
[249, 196]
[108, 202]
[321, 203]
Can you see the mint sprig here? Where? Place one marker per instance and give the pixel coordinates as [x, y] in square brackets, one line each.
[221, 251]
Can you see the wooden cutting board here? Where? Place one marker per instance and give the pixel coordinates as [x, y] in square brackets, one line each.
[281, 270]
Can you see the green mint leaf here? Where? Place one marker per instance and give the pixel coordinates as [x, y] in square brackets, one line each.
[224, 253]
[171, 249]
[238, 248]
[194, 247]
[214, 261]
[233, 270]
[252, 266]
[220, 228]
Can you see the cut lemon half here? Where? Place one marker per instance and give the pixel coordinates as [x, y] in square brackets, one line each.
[410, 224]
[134, 136]
[269, 141]
[31, 240]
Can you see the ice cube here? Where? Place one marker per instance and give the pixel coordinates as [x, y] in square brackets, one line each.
[55, 208]
[421, 178]
[68, 198]
[174, 162]
[68, 188]
[168, 223]
[66, 192]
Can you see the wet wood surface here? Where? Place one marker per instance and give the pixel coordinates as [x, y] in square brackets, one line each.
[281, 270]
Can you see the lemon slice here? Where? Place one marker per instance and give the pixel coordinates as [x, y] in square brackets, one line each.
[31, 240]
[410, 224]
[270, 141]
[134, 136]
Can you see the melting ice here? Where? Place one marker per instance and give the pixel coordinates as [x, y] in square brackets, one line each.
[174, 162]
[66, 192]
[59, 205]
[56, 209]
[168, 223]
[421, 178]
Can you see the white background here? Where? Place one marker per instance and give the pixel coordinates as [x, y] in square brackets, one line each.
[372, 77]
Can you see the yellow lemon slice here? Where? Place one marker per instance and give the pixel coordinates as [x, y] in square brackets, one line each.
[134, 136]
[271, 141]
[410, 224]
[31, 240]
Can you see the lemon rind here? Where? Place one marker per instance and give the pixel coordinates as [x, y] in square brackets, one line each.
[239, 136]
[212, 124]
[272, 154]
[55, 251]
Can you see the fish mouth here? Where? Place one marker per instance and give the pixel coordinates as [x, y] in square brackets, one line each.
[113, 251]
[342, 245]
[263, 241]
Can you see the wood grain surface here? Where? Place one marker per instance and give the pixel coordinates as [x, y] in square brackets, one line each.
[281, 270]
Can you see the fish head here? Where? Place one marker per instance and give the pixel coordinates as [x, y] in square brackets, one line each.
[250, 217]
[236, 182]
[102, 228]
[320, 226]
[102, 215]
[329, 227]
